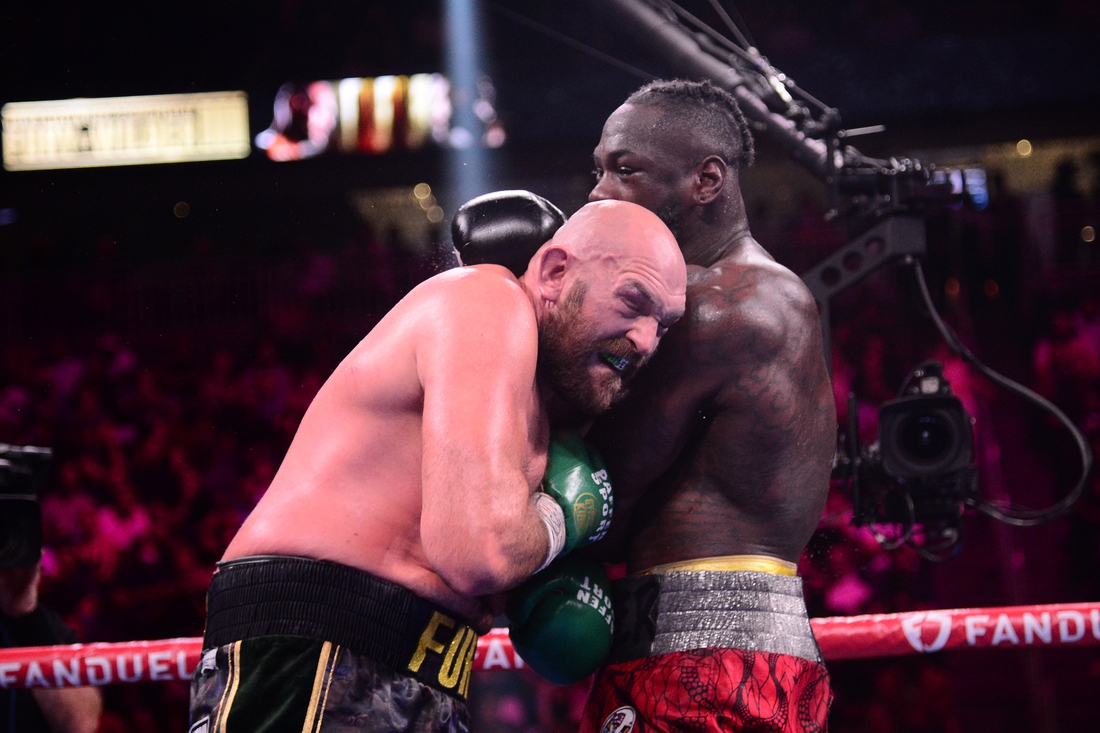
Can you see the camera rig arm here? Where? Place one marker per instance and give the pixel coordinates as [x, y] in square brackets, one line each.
[701, 57]
[809, 131]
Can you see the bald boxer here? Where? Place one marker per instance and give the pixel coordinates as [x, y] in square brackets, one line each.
[353, 593]
[721, 454]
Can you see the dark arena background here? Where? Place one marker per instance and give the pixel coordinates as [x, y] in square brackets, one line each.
[164, 325]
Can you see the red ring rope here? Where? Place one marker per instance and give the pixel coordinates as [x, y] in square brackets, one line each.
[842, 637]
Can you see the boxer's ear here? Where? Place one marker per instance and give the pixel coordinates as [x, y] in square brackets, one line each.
[710, 179]
[553, 262]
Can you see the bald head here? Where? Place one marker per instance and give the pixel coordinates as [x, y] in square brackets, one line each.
[615, 236]
[611, 229]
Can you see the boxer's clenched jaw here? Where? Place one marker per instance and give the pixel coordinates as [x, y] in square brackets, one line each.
[587, 372]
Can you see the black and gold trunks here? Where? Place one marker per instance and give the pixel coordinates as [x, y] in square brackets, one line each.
[299, 644]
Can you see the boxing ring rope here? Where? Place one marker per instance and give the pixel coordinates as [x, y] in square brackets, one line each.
[840, 638]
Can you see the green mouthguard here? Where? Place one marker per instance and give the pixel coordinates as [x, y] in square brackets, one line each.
[615, 362]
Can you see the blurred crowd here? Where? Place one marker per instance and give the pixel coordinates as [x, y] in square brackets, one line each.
[157, 464]
[163, 447]
[164, 443]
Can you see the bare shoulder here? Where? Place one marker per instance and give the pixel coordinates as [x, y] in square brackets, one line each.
[487, 282]
[750, 309]
[474, 320]
[482, 298]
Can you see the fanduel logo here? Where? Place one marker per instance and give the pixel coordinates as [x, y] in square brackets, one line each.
[936, 623]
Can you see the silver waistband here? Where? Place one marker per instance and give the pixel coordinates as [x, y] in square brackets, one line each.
[678, 611]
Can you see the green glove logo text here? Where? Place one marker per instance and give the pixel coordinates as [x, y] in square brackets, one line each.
[584, 512]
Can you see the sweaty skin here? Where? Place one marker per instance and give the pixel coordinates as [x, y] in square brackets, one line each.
[419, 457]
[724, 445]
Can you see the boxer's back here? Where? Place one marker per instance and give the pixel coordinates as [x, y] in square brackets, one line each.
[725, 444]
[350, 487]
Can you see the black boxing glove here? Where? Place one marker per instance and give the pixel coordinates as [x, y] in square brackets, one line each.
[504, 228]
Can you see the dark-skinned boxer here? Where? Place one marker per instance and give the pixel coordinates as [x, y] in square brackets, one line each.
[721, 453]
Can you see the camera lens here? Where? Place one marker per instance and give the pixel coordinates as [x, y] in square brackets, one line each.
[925, 436]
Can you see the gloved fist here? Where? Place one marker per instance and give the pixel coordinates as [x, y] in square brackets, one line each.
[577, 479]
[504, 228]
[561, 620]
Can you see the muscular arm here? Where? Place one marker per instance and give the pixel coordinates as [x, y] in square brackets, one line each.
[476, 360]
[70, 710]
[778, 396]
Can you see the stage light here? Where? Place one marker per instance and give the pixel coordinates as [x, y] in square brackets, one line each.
[467, 166]
[974, 180]
[347, 94]
[364, 115]
[1023, 148]
[495, 136]
[461, 138]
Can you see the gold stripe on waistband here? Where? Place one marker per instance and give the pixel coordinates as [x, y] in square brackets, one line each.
[750, 563]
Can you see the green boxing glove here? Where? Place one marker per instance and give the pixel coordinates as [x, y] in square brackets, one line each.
[561, 620]
[576, 479]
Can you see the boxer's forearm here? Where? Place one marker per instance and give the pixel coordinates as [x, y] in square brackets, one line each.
[488, 550]
[70, 710]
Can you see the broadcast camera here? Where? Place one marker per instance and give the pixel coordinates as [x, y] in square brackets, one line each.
[919, 476]
[23, 469]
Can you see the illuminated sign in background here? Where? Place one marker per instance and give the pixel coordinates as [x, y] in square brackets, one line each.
[374, 116]
[85, 133]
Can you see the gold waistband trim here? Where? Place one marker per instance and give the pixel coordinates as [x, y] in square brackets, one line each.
[750, 563]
